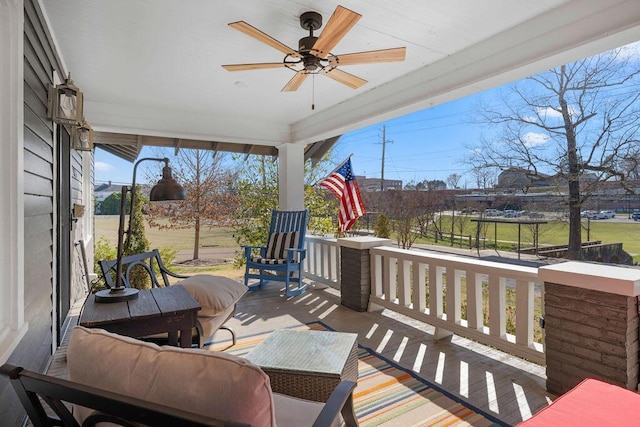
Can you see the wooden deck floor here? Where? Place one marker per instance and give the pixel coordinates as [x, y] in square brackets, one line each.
[507, 387]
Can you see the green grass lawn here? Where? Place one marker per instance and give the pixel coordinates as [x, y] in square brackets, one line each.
[557, 232]
[178, 239]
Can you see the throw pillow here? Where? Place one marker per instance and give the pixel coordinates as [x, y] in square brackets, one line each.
[214, 293]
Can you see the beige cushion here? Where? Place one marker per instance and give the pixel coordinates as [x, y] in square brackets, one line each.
[210, 325]
[210, 383]
[214, 293]
[294, 412]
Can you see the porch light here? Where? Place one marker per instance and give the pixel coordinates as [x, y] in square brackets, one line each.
[65, 103]
[166, 189]
[82, 137]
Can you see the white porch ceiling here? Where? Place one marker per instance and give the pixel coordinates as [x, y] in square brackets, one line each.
[153, 68]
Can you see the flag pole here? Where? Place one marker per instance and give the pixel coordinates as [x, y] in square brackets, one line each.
[335, 169]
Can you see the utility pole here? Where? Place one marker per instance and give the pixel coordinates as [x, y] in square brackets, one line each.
[384, 143]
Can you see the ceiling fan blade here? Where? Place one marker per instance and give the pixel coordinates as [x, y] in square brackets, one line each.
[384, 55]
[354, 82]
[337, 27]
[295, 82]
[264, 38]
[257, 66]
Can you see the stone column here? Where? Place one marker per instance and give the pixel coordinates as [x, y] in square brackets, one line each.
[355, 270]
[591, 324]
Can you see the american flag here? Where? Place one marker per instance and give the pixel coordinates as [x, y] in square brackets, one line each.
[342, 183]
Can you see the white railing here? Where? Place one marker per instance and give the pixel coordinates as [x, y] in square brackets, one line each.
[402, 280]
[461, 292]
[322, 263]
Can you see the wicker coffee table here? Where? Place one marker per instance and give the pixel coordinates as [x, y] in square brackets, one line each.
[307, 364]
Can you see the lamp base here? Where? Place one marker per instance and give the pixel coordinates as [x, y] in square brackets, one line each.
[116, 295]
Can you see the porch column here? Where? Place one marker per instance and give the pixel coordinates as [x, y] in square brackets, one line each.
[591, 324]
[12, 322]
[355, 270]
[291, 177]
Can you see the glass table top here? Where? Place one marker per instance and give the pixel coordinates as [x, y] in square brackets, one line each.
[313, 351]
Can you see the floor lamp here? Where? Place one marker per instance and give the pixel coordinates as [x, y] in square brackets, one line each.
[166, 189]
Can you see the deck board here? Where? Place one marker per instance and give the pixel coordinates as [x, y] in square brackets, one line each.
[457, 364]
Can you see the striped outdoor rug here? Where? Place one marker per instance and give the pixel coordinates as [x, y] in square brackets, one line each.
[389, 395]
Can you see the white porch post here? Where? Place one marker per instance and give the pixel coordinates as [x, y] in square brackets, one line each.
[12, 324]
[291, 177]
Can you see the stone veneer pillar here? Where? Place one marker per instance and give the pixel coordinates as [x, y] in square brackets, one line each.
[591, 324]
[355, 270]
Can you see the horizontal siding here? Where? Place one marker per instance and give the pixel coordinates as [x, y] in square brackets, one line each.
[34, 144]
[37, 205]
[37, 184]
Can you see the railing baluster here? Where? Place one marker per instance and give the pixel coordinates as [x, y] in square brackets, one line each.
[419, 296]
[404, 282]
[524, 312]
[497, 306]
[474, 300]
[453, 295]
[435, 290]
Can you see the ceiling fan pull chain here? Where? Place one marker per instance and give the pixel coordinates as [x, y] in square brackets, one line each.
[313, 91]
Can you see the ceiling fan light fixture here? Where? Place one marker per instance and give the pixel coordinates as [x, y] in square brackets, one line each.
[311, 63]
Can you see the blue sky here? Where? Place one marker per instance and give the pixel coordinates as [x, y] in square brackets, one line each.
[428, 144]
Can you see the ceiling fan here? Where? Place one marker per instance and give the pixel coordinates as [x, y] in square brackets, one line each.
[314, 53]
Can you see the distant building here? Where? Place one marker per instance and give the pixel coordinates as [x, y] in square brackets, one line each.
[373, 184]
[104, 190]
[518, 179]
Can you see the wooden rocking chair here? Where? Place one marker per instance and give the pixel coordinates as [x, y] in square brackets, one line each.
[281, 259]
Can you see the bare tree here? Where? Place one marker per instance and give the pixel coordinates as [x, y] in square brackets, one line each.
[209, 200]
[578, 122]
[485, 177]
[453, 180]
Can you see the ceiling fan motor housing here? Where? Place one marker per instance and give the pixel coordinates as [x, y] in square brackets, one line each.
[311, 21]
[306, 43]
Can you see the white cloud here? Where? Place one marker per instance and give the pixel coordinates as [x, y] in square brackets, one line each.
[103, 167]
[533, 139]
[548, 112]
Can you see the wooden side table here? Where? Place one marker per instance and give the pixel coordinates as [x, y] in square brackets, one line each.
[169, 309]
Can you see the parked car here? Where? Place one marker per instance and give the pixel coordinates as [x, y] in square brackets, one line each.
[607, 214]
[511, 213]
[636, 215]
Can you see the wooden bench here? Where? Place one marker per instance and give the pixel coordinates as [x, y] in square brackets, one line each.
[159, 274]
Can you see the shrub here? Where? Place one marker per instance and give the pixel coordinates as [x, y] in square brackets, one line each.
[382, 227]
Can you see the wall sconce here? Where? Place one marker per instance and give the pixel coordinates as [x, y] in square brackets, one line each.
[82, 137]
[65, 103]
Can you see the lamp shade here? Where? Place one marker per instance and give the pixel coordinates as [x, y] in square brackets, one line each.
[167, 188]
